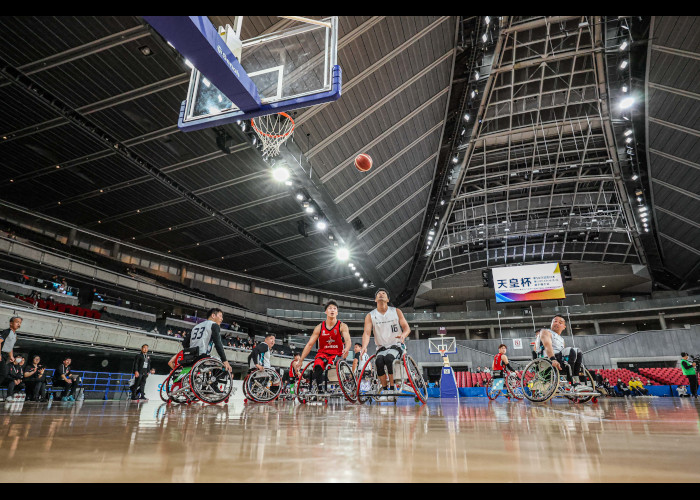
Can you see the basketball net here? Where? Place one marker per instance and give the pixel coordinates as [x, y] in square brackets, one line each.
[273, 131]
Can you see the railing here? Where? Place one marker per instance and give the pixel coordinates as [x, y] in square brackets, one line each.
[100, 382]
[617, 307]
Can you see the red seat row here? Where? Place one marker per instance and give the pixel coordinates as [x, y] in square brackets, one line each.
[666, 376]
[62, 308]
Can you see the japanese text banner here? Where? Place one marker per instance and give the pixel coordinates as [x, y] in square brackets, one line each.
[523, 283]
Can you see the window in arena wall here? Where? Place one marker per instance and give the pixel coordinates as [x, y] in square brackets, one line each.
[155, 266]
[207, 279]
[198, 277]
[126, 258]
[163, 267]
[224, 283]
[189, 275]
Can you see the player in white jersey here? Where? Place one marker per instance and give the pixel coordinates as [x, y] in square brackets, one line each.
[390, 330]
[550, 343]
[202, 338]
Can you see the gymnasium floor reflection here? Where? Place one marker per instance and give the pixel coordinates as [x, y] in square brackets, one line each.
[476, 440]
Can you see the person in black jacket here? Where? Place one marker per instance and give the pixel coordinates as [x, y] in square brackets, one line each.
[15, 378]
[35, 379]
[62, 377]
[141, 369]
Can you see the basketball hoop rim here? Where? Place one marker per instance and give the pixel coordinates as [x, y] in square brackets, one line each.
[273, 136]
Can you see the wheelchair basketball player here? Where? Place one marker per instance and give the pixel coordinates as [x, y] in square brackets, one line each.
[386, 322]
[550, 343]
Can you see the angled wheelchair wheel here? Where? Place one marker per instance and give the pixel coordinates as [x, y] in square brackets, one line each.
[492, 392]
[415, 378]
[346, 380]
[587, 385]
[540, 380]
[210, 382]
[175, 388]
[305, 382]
[367, 381]
[514, 386]
[264, 386]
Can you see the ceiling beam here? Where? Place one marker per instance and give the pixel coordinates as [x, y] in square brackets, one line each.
[682, 191]
[683, 161]
[676, 52]
[674, 90]
[391, 234]
[679, 243]
[394, 210]
[675, 126]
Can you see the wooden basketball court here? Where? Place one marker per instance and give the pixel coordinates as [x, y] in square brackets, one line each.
[628, 440]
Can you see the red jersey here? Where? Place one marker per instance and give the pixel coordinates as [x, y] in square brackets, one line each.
[330, 341]
[497, 362]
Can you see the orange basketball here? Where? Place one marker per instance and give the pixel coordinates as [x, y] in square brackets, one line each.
[363, 162]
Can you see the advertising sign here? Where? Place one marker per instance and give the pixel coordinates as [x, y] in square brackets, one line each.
[532, 282]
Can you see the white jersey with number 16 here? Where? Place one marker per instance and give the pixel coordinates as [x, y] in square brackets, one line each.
[386, 327]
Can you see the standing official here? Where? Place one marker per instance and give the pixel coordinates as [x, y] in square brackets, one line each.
[688, 368]
[8, 338]
[141, 370]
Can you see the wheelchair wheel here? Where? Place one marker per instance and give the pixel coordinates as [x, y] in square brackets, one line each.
[210, 382]
[420, 387]
[305, 382]
[514, 386]
[171, 389]
[346, 380]
[264, 386]
[366, 386]
[589, 386]
[492, 392]
[540, 380]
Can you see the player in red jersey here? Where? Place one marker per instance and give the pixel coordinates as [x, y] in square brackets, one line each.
[499, 365]
[333, 340]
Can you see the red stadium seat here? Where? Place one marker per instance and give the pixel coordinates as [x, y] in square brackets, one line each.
[96, 314]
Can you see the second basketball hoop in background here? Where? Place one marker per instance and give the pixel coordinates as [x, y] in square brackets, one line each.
[363, 162]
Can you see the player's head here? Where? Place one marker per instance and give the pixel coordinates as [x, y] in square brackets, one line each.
[216, 315]
[270, 339]
[381, 295]
[558, 324]
[331, 308]
[15, 323]
[297, 356]
[684, 355]
[144, 348]
[358, 347]
[502, 348]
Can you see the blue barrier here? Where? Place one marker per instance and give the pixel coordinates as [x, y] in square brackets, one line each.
[480, 392]
[102, 382]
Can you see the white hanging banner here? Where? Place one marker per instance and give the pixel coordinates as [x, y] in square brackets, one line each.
[517, 343]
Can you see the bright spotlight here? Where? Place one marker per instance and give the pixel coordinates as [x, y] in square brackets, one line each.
[628, 132]
[300, 196]
[627, 102]
[280, 174]
[487, 19]
[484, 37]
[342, 254]
[361, 280]
[357, 274]
[364, 285]
[624, 45]
[321, 225]
[624, 88]
[310, 209]
[624, 64]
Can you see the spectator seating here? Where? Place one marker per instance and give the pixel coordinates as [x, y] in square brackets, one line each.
[665, 376]
[625, 375]
[62, 308]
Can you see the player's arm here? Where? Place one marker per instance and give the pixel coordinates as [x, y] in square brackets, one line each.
[310, 344]
[506, 363]
[261, 350]
[546, 340]
[345, 332]
[355, 362]
[405, 328]
[366, 333]
[216, 338]
[171, 363]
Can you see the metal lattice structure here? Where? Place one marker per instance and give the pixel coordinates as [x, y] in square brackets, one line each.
[540, 179]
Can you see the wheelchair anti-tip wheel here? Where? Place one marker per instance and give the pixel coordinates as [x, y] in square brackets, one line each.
[367, 382]
[305, 384]
[263, 386]
[210, 382]
[540, 380]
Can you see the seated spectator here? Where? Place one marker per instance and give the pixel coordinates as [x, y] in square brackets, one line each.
[637, 388]
[622, 389]
[682, 391]
[607, 387]
[15, 380]
[62, 377]
[23, 278]
[35, 379]
[478, 369]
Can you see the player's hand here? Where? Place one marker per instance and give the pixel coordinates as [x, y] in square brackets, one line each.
[363, 351]
[136, 374]
[556, 364]
[345, 354]
[260, 368]
[227, 366]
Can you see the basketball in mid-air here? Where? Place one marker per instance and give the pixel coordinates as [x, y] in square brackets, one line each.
[363, 162]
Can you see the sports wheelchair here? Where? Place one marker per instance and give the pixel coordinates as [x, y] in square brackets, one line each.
[511, 386]
[206, 380]
[262, 386]
[338, 377]
[541, 381]
[408, 381]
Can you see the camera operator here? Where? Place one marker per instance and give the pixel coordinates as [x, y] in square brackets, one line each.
[35, 379]
[688, 368]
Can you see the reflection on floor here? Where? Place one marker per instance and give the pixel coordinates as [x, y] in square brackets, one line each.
[475, 440]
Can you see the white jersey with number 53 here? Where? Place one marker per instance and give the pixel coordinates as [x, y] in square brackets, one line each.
[386, 327]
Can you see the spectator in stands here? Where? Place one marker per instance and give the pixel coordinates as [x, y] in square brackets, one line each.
[689, 370]
[15, 379]
[23, 278]
[478, 369]
[170, 332]
[622, 389]
[7, 341]
[636, 387]
[141, 370]
[96, 296]
[608, 388]
[118, 302]
[487, 370]
[62, 377]
[35, 379]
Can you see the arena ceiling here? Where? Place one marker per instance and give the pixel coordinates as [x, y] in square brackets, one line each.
[89, 136]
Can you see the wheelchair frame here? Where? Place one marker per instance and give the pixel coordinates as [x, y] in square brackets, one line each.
[305, 384]
[403, 381]
[512, 384]
[196, 383]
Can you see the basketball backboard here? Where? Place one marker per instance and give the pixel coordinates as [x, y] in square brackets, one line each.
[276, 72]
[446, 344]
